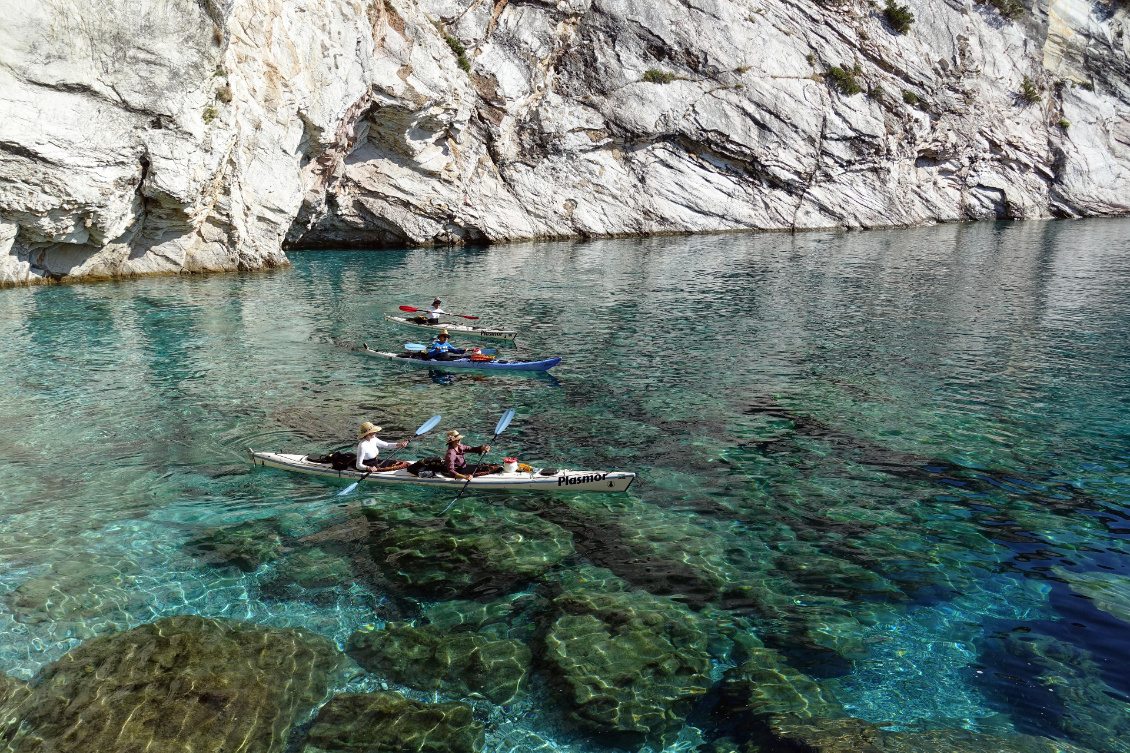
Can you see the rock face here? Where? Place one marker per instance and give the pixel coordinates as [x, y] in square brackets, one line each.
[180, 684]
[192, 135]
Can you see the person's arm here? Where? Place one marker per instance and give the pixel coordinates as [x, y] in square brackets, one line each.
[357, 463]
[383, 444]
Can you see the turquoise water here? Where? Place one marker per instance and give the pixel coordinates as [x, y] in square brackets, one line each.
[901, 459]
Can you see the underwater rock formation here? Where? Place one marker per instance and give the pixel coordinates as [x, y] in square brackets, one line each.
[847, 735]
[379, 722]
[167, 136]
[245, 546]
[1060, 674]
[183, 683]
[631, 665]
[478, 551]
[314, 568]
[13, 693]
[765, 684]
[1109, 592]
[427, 658]
[76, 591]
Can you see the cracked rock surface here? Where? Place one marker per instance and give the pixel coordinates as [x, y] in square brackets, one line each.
[194, 135]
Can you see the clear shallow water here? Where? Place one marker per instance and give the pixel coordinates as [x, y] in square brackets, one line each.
[898, 455]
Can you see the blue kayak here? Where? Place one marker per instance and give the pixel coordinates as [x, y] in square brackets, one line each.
[467, 363]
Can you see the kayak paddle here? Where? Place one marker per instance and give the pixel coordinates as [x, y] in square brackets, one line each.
[498, 429]
[418, 348]
[415, 310]
[428, 426]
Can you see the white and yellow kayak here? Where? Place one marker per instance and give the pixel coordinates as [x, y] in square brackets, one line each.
[539, 478]
[460, 330]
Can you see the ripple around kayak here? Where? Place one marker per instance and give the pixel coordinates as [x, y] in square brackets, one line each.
[467, 363]
[568, 480]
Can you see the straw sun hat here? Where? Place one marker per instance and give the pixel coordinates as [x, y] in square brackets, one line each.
[443, 333]
[367, 428]
[454, 436]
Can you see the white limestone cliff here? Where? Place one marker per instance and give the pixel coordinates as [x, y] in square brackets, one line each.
[161, 136]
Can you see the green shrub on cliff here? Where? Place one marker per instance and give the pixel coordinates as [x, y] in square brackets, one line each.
[1029, 92]
[898, 16]
[655, 76]
[459, 50]
[845, 79]
[1013, 10]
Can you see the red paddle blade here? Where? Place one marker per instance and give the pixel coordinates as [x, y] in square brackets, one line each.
[408, 308]
[467, 317]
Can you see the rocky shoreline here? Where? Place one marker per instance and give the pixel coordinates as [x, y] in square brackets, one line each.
[182, 136]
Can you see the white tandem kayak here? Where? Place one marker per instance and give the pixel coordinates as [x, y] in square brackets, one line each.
[538, 479]
[462, 330]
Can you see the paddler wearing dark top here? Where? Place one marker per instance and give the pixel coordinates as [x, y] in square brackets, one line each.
[442, 350]
[454, 464]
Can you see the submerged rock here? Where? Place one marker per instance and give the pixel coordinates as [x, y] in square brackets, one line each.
[76, 590]
[180, 684]
[313, 568]
[1065, 675]
[1109, 592]
[427, 658]
[479, 550]
[371, 722]
[632, 664]
[245, 546]
[508, 617]
[13, 693]
[765, 684]
[847, 735]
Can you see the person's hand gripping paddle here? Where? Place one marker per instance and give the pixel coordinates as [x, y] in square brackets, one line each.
[498, 429]
[428, 426]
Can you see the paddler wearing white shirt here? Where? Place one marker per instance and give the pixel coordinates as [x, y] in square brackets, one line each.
[432, 315]
[369, 447]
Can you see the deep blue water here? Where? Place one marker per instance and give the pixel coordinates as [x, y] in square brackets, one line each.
[902, 458]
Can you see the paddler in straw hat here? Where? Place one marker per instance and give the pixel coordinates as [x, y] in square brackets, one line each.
[369, 446]
[442, 350]
[454, 464]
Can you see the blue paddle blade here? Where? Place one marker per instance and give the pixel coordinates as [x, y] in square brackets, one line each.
[415, 347]
[431, 424]
[504, 421]
[347, 490]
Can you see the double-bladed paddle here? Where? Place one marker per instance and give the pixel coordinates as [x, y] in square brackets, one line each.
[414, 310]
[428, 426]
[498, 429]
